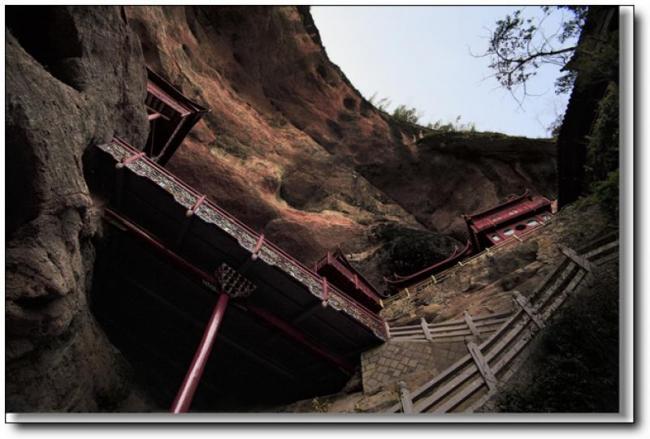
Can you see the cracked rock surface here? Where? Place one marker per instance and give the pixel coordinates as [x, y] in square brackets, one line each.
[74, 77]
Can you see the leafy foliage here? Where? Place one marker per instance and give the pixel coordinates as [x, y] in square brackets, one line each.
[602, 146]
[381, 104]
[606, 193]
[596, 59]
[454, 126]
[405, 114]
[601, 166]
[518, 46]
[411, 115]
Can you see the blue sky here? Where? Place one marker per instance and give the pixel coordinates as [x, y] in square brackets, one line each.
[420, 57]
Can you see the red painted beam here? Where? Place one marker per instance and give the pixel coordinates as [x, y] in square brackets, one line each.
[297, 336]
[187, 390]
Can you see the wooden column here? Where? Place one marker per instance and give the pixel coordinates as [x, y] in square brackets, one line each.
[187, 390]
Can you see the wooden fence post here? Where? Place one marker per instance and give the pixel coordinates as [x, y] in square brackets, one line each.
[482, 366]
[471, 325]
[525, 305]
[425, 329]
[581, 262]
[405, 398]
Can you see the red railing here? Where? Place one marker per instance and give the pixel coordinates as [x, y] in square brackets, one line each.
[352, 277]
[456, 255]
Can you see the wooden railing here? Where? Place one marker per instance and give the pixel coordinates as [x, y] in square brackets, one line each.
[472, 380]
[451, 330]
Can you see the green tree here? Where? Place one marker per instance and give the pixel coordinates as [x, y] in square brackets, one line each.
[519, 46]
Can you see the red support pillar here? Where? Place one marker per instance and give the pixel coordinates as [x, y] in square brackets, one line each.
[185, 394]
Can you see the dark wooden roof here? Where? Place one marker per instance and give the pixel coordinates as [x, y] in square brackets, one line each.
[154, 293]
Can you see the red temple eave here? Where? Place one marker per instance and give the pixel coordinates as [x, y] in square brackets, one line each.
[341, 266]
[512, 199]
[506, 213]
[170, 95]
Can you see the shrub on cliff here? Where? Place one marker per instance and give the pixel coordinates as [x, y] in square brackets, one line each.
[402, 113]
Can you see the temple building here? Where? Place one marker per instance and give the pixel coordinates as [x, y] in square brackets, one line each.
[509, 220]
[211, 314]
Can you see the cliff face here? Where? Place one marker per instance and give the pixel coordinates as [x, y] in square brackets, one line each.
[74, 76]
[290, 147]
[595, 63]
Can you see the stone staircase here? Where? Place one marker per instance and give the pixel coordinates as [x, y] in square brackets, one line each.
[473, 379]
